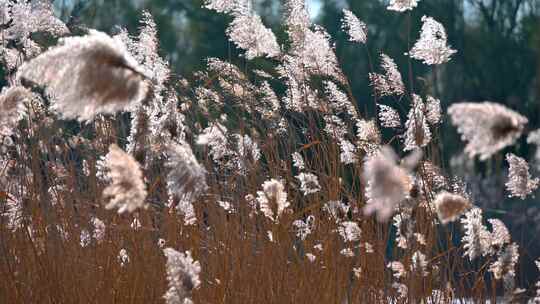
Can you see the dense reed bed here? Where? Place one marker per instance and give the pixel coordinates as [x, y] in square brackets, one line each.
[124, 183]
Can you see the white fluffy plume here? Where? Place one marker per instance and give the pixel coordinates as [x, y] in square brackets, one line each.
[487, 127]
[88, 75]
[127, 190]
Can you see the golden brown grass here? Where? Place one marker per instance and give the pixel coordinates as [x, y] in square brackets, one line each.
[41, 264]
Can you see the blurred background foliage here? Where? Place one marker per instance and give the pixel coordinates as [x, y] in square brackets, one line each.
[498, 44]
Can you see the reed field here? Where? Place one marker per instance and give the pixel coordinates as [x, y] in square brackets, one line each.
[123, 182]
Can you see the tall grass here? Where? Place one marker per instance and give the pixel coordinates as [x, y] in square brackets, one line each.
[198, 154]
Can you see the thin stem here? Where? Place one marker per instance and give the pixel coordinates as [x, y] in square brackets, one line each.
[409, 60]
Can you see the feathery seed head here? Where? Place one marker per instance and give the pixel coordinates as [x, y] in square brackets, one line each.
[249, 33]
[126, 190]
[233, 7]
[182, 276]
[390, 82]
[402, 5]
[433, 110]
[417, 134]
[388, 184]
[389, 117]
[450, 206]
[486, 127]
[431, 48]
[477, 239]
[349, 231]
[28, 17]
[506, 262]
[520, 182]
[272, 199]
[356, 29]
[12, 100]
[187, 178]
[309, 183]
[88, 75]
